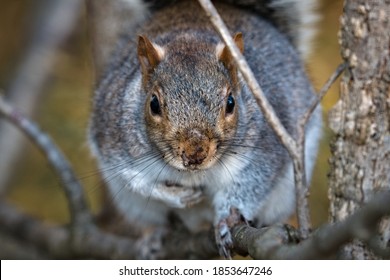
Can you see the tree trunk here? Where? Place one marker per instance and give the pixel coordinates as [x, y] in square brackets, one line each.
[360, 162]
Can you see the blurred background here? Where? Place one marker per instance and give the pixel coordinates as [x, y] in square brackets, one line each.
[65, 101]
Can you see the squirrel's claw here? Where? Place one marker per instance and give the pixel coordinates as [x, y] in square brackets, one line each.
[223, 238]
[223, 234]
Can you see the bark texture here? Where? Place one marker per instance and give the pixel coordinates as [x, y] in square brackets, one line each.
[360, 162]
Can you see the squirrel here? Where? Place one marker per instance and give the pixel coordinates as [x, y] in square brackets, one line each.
[175, 129]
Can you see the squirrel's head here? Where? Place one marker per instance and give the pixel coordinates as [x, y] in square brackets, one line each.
[191, 89]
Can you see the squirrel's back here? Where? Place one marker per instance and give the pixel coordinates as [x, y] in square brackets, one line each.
[294, 18]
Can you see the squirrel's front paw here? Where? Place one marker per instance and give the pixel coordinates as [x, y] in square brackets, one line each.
[191, 197]
[181, 197]
[223, 235]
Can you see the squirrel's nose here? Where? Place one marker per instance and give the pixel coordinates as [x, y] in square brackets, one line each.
[195, 148]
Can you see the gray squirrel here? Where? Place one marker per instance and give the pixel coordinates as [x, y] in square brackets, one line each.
[175, 129]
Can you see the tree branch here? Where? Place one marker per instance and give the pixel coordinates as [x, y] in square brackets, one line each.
[58, 242]
[275, 242]
[321, 94]
[73, 189]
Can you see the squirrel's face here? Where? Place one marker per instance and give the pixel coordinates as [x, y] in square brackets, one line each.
[191, 106]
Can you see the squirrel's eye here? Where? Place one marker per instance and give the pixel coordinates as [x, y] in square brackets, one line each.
[155, 105]
[230, 104]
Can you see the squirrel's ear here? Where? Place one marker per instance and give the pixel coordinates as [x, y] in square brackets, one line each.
[149, 54]
[239, 40]
[223, 53]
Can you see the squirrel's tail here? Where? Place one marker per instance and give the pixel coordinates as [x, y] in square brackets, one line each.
[295, 18]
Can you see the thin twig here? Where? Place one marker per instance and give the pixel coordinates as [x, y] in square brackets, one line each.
[321, 94]
[80, 214]
[302, 188]
[302, 192]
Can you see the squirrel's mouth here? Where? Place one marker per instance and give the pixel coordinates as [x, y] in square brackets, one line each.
[194, 163]
[193, 167]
